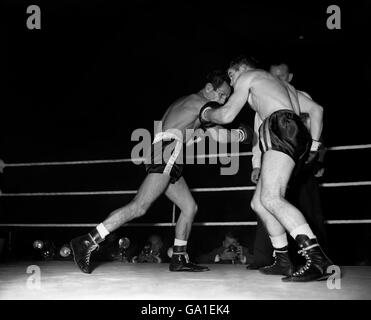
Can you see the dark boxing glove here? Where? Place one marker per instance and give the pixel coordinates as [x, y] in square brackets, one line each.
[314, 152]
[209, 105]
[246, 134]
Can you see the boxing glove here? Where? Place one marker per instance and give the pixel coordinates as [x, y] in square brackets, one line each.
[314, 152]
[246, 134]
[207, 106]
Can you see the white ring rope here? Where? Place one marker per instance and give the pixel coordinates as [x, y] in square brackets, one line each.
[240, 154]
[214, 189]
[166, 224]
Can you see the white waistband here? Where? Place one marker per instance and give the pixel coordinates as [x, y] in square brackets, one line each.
[165, 136]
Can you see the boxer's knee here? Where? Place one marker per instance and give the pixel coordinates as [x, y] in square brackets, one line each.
[257, 206]
[139, 208]
[271, 201]
[191, 209]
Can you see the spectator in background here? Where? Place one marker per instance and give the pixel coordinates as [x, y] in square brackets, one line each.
[303, 190]
[231, 251]
[152, 252]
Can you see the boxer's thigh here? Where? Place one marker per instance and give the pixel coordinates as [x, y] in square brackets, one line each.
[275, 172]
[180, 194]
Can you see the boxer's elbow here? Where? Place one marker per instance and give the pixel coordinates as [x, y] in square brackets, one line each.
[316, 112]
[226, 116]
[319, 109]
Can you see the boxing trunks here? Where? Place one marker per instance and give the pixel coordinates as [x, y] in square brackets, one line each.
[284, 131]
[165, 156]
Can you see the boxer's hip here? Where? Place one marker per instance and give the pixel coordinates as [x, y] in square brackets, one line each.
[284, 131]
[165, 155]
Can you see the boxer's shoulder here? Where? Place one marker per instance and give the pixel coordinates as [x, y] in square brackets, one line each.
[248, 77]
[195, 101]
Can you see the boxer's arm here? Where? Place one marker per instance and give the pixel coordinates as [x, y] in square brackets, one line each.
[223, 135]
[315, 112]
[256, 153]
[305, 93]
[237, 100]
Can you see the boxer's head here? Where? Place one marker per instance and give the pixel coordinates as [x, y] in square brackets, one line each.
[240, 65]
[281, 71]
[217, 87]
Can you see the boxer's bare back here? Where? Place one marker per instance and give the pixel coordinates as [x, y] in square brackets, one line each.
[266, 94]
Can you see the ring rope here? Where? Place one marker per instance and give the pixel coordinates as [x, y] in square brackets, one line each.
[241, 154]
[169, 224]
[242, 188]
[214, 189]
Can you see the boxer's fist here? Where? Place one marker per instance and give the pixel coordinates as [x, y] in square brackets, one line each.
[255, 174]
[246, 134]
[314, 152]
[201, 116]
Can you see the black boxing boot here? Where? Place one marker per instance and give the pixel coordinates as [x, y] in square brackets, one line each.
[316, 264]
[180, 261]
[282, 264]
[83, 246]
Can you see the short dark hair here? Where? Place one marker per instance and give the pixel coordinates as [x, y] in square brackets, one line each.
[230, 234]
[216, 78]
[280, 63]
[241, 59]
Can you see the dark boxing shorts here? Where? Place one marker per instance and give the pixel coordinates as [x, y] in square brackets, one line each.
[166, 149]
[284, 131]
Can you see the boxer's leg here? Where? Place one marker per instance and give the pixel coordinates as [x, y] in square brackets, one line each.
[275, 174]
[180, 194]
[282, 264]
[273, 226]
[152, 187]
[276, 171]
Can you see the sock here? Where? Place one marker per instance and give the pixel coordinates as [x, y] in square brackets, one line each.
[279, 242]
[178, 242]
[303, 229]
[103, 232]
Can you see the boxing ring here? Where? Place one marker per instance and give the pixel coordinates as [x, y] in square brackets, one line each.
[115, 280]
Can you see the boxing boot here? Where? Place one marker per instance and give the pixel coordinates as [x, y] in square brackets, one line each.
[180, 261]
[316, 264]
[82, 248]
[282, 264]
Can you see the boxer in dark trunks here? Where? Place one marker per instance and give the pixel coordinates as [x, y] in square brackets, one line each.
[284, 141]
[164, 175]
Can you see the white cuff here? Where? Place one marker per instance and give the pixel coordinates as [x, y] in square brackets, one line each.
[241, 135]
[315, 145]
[203, 114]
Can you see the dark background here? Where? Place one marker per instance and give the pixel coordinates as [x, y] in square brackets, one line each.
[97, 70]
